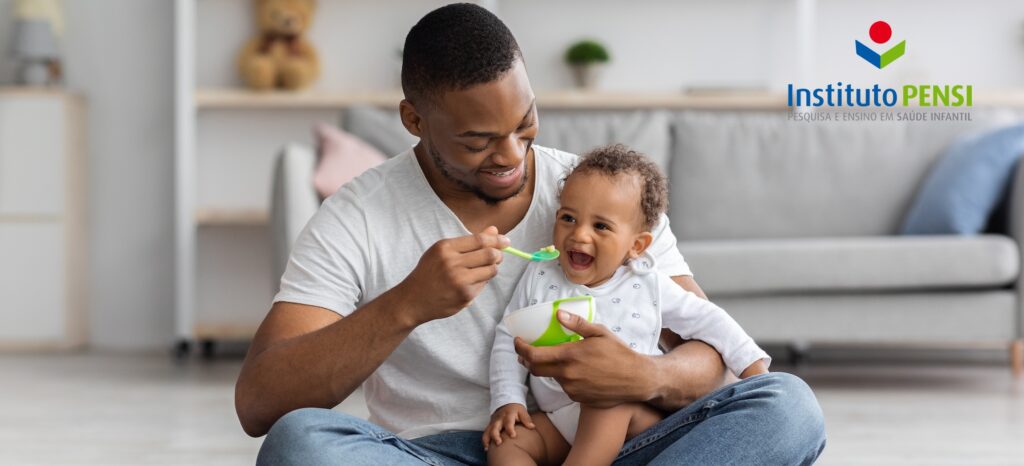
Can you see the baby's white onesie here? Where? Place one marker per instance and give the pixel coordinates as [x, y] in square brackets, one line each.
[635, 304]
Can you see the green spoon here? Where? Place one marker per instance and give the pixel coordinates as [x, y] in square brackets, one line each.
[544, 254]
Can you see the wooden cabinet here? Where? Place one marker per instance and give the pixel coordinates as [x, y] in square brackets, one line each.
[42, 220]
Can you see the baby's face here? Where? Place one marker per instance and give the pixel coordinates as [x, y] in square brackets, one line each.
[599, 226]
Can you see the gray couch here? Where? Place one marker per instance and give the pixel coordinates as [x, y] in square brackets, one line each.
[790, 226]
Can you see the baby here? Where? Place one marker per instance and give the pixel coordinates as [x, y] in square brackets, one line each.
[609, 203]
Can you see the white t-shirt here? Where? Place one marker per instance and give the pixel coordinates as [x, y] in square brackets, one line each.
[367, 237]
[635, 304]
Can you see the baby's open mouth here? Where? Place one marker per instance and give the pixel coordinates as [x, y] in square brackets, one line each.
[579, 260]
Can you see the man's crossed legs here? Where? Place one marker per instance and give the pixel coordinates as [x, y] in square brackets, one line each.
[771, 418]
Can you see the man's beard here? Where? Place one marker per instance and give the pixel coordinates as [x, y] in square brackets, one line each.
[487, 198]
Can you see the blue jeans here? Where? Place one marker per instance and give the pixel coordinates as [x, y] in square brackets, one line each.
[766, 419]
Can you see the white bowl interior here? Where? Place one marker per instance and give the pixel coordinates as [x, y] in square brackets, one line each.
[530, 322]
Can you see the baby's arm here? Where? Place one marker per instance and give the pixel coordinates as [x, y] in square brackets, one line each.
[507, 376]
[693, 318]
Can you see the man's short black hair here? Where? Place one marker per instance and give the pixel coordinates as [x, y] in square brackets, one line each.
[453, 48]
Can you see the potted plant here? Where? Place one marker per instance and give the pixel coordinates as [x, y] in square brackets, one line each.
[586, 58]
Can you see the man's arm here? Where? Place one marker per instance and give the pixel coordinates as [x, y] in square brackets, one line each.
[305, 356]
[602, 371]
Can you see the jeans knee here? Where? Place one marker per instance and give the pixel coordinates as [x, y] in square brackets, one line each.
[294, 426]
[794, 406]
[294, 434]
[799, 398]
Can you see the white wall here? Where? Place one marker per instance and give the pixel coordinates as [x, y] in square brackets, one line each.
[119, 54]
[979, 42]
[662, 44]
[658, 44]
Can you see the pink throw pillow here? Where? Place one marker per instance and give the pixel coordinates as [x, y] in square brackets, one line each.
[342, 157]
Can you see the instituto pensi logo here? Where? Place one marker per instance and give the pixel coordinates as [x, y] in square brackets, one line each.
[880, 33]
[845, 94]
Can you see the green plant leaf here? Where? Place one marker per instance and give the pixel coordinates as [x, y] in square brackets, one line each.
[586, 52]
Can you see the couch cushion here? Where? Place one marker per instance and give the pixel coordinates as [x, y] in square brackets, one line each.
[852, 264]
[762, 175]
[572, 131]
[380, 127]
[342, 157]
[578, 132]
[966, 185]
[880, 319]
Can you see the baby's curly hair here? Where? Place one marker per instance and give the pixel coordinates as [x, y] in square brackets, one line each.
[617, 159]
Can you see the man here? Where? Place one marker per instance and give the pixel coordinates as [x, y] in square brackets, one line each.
[389, 288]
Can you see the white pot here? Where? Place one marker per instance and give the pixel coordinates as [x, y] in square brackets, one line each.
[34, 73]
[587, 76]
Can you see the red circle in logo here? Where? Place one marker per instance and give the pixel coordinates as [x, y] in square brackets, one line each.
[880, 32]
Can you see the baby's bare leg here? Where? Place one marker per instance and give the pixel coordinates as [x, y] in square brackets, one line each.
[540, 446]
[602, 431]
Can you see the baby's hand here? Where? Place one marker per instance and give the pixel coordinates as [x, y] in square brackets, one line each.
[505, 419]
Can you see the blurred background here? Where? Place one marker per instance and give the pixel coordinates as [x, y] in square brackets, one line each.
[151, 185]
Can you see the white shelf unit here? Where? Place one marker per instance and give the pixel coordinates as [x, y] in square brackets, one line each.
[224, 148]
[43, 238]
[222, 270]
[184, 171]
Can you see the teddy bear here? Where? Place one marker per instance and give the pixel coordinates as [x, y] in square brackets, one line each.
[280, 57]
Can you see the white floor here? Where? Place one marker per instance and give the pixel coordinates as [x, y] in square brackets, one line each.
[111, 409]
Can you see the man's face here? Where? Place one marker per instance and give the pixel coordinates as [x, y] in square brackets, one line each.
[479, 138]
